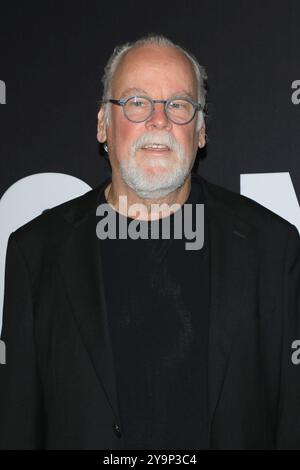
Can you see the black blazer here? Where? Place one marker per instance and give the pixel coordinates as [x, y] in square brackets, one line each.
[58, 390]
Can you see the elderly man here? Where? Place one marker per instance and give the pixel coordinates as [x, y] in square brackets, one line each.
[128, 342]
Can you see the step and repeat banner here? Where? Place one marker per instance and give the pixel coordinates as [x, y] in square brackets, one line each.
[52, 56]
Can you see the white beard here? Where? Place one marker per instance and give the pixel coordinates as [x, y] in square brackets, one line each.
[158, 183]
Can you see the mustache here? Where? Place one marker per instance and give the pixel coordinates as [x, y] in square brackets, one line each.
[160, 139]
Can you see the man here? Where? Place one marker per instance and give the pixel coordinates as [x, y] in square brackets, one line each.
[132, 343]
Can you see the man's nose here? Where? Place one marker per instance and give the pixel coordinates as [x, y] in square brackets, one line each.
[158, 118]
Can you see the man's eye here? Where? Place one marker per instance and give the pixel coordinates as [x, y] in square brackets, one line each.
[175, 104]
[136, 103]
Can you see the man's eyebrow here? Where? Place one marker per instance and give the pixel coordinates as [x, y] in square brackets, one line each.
[133, 90]
[182, 93]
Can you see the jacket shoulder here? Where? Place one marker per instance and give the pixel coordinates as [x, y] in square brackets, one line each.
[246, 209]
[52, 225]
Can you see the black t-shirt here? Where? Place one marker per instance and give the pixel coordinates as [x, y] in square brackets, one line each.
[157, 299]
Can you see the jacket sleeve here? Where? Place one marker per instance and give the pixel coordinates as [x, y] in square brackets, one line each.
[288, 424]
[21, 407]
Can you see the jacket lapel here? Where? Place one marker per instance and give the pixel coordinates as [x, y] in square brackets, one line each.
[232, 267]
[82, 274]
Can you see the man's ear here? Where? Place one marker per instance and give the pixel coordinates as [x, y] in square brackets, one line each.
[101, 131]
[202, 136]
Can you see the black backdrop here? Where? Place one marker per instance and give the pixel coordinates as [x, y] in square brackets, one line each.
[52, 56]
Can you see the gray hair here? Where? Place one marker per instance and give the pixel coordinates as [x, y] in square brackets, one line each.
[159, 40]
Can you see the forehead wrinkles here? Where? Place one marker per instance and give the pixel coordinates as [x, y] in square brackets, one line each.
[159, 61]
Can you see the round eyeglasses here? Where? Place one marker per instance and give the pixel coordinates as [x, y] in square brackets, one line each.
[140, 108]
